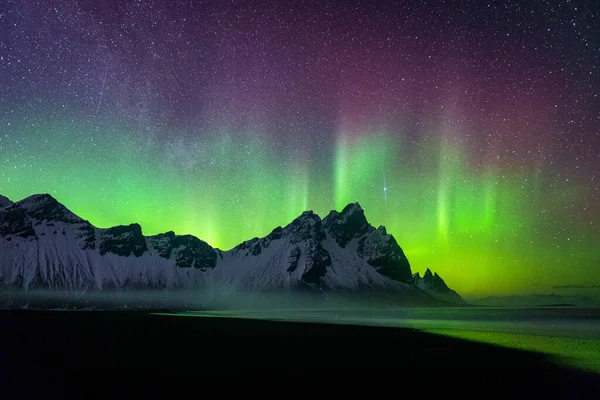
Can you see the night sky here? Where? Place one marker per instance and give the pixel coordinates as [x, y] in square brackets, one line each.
[471, 129]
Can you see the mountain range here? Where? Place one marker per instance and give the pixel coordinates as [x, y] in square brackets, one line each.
[43, 245]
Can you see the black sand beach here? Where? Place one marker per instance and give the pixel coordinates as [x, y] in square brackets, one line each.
[54, 352]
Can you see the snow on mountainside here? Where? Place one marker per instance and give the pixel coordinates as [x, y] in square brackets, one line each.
[44, 245]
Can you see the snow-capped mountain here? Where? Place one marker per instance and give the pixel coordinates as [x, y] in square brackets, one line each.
[433, 284]
[45, 245]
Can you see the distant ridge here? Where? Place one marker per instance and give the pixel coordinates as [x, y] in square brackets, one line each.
[538, 300]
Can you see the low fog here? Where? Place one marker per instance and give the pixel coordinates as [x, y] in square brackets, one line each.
[222, 299]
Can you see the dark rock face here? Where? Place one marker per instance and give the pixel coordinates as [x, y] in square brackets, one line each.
[87, 235]
[348, 224]
[275, 234]
[307, 226]
[249, 246]
[44, 207]
[123, 240]
[293, 259]
[188, 250]
[428, 276]
[433, 284]
[434, 281]
[256, 250]
[194, 253]
[308, 229]
[14, 222]
[162, 243]
[382, 251]
[5, 201]
[317, 261]
[17, 218]
[374, 246]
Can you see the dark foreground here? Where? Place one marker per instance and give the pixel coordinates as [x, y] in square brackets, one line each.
[83, 353]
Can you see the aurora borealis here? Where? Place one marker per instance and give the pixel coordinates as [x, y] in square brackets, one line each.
[471, 130]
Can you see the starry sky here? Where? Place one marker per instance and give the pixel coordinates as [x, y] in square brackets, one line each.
[470, 129]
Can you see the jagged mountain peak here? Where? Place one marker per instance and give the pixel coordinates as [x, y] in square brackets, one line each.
[5, 201]
[308, 214]
[382, 251]
[347, 224]
[187, 250]
[169, 234]
[45, 207]
[305, 243]
[307, 226]
[352, 208]
[37, 200]
[123, 240]
[306, 218]
[340, 251]
[348, 211]
[433, 284]
[381, 229]
[17, 219]
[434, 280]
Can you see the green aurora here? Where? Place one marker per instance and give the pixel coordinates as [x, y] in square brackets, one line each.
[470, 130]
[487, 230]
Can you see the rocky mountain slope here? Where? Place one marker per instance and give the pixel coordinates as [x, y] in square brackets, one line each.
[433, 284]
[43, 245]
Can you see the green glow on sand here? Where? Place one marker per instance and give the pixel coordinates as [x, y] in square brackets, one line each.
[574, 352]
[486, 229]
[564, 347]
